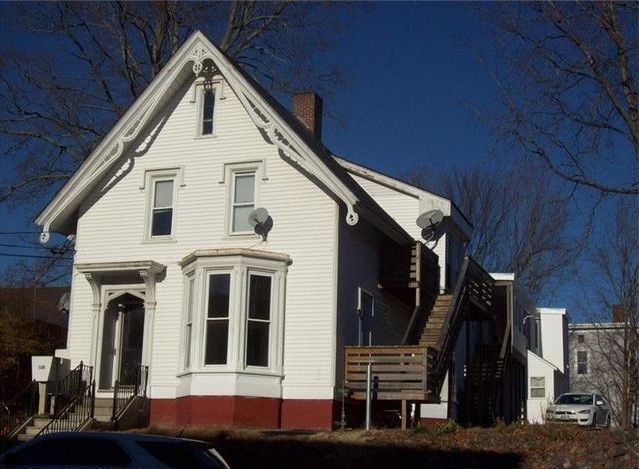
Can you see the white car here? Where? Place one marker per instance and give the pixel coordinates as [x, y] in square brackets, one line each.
[587, 409]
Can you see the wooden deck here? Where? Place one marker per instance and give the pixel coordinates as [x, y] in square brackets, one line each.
[397, 372]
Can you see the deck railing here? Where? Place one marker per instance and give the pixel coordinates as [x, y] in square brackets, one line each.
[398, 372]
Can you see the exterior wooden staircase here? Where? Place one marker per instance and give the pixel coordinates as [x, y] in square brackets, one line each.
[416, 372]
[433, 328]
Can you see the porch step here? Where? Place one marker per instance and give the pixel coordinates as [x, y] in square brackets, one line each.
[103, 409]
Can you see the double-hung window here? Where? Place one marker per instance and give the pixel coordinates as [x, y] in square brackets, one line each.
[582, 363]
[537, 386]
[161, 186]
[258, 320]
[162, 211]
[217, 319]
[243, 201]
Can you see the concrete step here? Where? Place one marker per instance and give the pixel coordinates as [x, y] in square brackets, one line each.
[104, 403]
[32, 431]
[40, 422]
[24, 437]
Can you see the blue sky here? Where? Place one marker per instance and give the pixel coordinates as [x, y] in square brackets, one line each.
[411, 75]
[412, 70]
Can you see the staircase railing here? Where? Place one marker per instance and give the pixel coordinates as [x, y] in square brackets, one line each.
[18, 410]
[426, 276]
[123, 392]
[474, 287]
[74, 401]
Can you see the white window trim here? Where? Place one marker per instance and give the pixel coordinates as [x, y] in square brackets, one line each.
[271, 332]
[150, 178]
[187, 345]
[230, 357]
[537, 387]
[231, 171]
[239, 267]
[217, 85]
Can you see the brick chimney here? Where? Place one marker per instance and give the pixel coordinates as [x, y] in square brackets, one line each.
[307, 107]
[618, 313]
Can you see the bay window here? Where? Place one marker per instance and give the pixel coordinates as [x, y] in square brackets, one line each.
[241, 325]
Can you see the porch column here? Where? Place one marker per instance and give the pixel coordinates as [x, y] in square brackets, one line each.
[96, 308]
[149, 277]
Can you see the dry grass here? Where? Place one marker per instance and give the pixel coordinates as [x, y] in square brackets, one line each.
[517, 446]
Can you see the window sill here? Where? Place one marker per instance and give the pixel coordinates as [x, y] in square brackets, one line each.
[205, 137]
[159, 240]
[230, 371]
[243, 235]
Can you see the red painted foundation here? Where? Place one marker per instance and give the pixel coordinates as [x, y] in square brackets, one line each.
[431, 422]
[238, 411]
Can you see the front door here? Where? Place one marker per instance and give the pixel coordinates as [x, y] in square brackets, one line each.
[130, 356]
[122, 339]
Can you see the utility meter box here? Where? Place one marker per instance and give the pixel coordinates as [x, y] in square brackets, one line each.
[43, 368]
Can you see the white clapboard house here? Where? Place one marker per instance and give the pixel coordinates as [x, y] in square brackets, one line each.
[186, 295]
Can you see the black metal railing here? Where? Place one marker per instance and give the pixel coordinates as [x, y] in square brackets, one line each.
[15, 412]
[133, 383]
[74, 401]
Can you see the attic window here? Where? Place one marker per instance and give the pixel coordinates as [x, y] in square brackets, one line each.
[208, 106]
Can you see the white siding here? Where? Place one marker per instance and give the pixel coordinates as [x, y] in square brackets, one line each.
[554, 337]
[538, 367]
[111, 228]
[405, 208]
[359, 267]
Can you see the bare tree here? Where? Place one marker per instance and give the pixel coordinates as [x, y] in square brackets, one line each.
[568, 88]
[519, 219]
[614, 342]
[83, 63]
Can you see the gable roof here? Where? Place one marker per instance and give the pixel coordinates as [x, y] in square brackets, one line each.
[395, 184]
[281, 127]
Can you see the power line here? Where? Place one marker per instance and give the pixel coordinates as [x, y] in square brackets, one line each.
[19, 232]
[23, 246]
[33, 256]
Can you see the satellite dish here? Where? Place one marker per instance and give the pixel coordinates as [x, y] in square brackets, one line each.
[258, 217]
[261, 222]
[431, 224]
[430, 219]
[64, 303]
